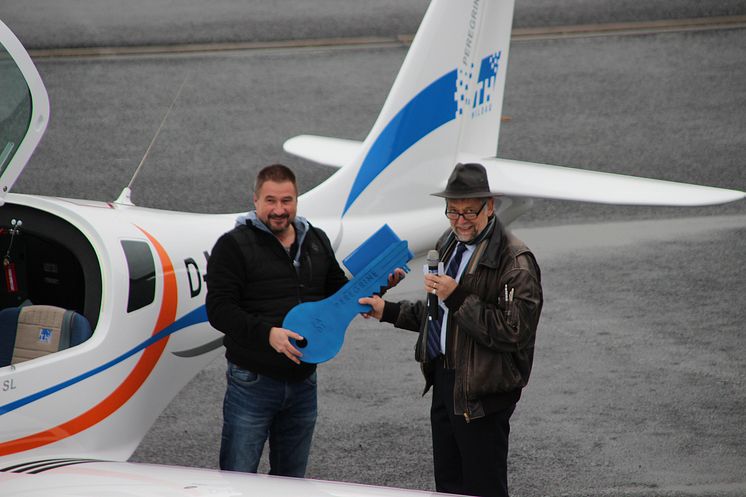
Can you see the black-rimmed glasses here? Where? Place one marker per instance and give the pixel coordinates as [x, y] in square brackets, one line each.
[469, 215]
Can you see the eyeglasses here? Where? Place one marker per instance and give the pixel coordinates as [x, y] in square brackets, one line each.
[469, 215]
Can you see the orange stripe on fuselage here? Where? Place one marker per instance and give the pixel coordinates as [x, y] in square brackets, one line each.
[129, 386]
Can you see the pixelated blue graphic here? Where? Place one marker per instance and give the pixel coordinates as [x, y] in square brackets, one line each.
[464, 95]
[45, 335]
[444, 100]
[476, 97]
[487, 79]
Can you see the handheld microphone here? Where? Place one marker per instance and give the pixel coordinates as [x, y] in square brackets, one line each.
[433, 265]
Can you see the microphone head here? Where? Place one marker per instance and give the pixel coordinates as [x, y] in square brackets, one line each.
[433, 258]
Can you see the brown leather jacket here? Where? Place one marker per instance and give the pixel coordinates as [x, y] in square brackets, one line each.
[490, 338]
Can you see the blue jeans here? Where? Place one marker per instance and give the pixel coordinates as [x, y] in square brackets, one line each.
[257, 406]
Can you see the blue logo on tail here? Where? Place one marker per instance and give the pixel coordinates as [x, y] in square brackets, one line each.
[445, 99]
[477, 100]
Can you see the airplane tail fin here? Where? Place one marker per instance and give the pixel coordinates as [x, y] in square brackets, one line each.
[443, 108]
[445, 102]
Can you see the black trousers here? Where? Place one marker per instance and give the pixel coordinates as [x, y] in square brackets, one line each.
[469, 458]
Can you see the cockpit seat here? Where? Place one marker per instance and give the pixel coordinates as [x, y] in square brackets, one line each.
[33, 331]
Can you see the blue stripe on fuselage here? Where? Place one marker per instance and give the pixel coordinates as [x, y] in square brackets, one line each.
[198, 315]
[427, 111]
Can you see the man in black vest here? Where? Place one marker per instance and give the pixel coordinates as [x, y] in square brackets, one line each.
[271, 261]
[476, 348]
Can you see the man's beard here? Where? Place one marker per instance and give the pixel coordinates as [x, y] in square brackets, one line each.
[465, 238]
[282, 229]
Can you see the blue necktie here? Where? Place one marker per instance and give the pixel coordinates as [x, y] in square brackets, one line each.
[434, 325]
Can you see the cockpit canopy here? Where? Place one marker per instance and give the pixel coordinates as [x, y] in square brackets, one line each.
[24, 109]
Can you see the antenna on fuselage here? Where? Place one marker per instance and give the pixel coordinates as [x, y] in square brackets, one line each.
[124, 197]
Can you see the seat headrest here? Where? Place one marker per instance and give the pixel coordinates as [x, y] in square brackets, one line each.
[33, 331]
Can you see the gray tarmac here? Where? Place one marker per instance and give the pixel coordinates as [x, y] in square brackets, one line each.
[638, 386]
[86, 23]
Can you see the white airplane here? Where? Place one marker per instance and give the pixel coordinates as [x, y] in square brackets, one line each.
[76, 401]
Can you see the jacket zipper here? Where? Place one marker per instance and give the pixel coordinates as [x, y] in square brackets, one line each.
[296, 270]
[470, 269]
[465, 388]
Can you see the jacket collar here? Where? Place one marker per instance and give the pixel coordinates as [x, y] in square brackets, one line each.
[496, 242]
[301, 228]
[250, 218]
[493, 235]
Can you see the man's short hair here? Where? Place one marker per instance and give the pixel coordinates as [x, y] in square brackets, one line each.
[278, 173]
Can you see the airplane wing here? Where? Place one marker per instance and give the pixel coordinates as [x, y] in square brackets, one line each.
[335, 152]
[91, 478]
[525, 179]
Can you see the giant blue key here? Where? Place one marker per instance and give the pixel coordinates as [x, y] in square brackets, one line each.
[323, 323]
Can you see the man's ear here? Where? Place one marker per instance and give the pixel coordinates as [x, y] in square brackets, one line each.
[491, 206]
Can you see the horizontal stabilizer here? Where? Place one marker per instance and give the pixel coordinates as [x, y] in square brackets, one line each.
[335, 152]
[525, 179]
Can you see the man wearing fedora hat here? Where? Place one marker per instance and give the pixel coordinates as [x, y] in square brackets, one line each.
[476, 350]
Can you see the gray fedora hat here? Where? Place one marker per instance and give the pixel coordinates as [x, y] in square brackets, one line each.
[467, 181]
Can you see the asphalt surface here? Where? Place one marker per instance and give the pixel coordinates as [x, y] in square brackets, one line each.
[66, 23]
[638, 387]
